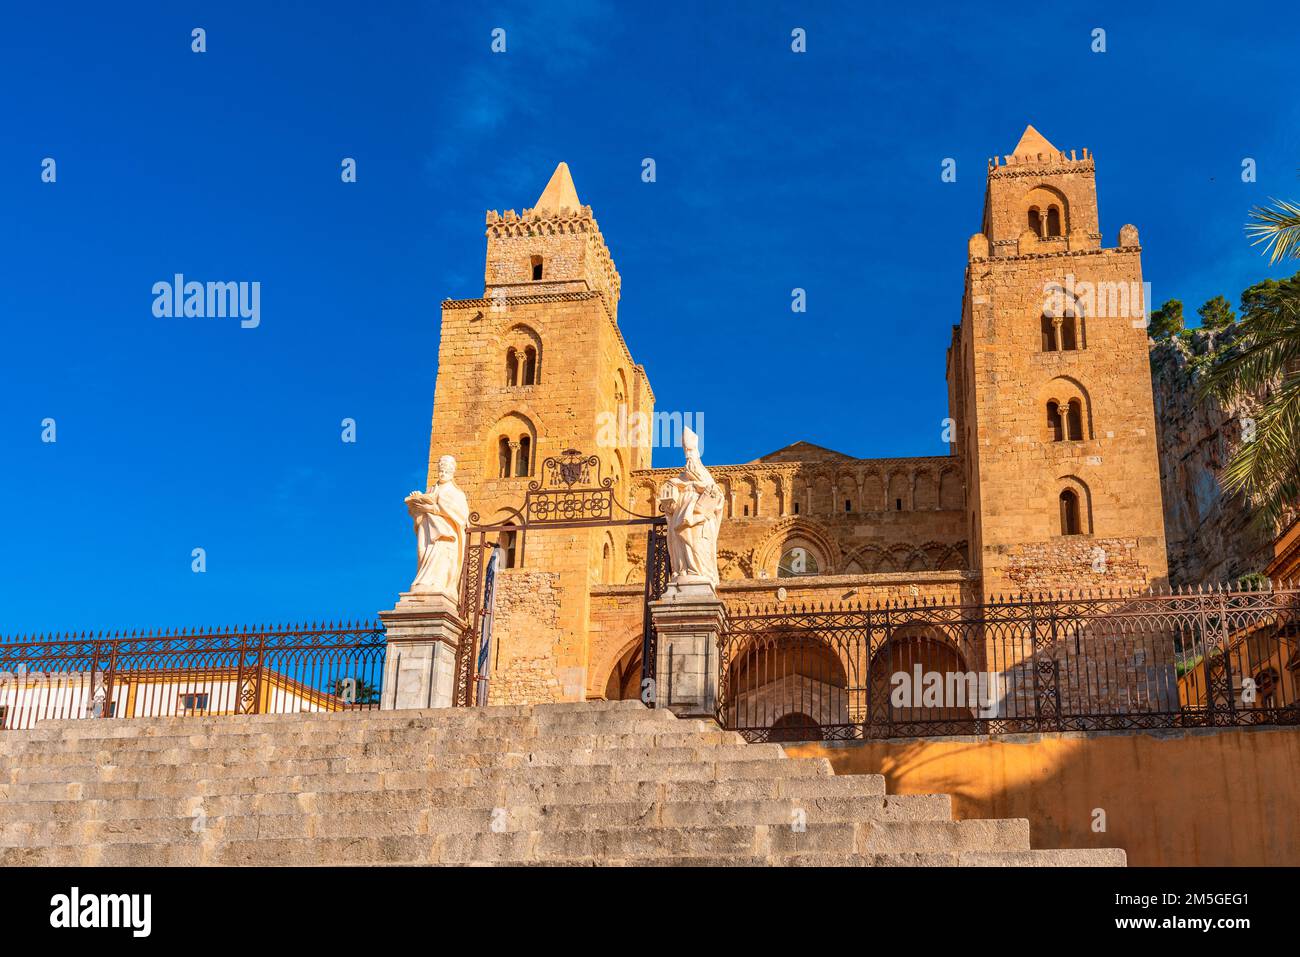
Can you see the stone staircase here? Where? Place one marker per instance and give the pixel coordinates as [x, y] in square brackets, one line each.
[567, 784]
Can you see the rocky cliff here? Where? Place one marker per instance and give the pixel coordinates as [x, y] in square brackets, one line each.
[1210, 535]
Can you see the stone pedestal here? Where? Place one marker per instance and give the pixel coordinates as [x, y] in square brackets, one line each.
[688, 620]
[424, 633]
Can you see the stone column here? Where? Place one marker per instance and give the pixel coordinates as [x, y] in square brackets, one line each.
[424, 632]
[688, 620]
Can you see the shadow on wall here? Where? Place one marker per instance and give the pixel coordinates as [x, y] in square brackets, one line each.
[1223, 797]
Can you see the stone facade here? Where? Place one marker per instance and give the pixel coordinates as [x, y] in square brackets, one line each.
[538, 365]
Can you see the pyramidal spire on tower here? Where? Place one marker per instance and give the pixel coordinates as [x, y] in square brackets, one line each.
[560, 193]
[1032, 143]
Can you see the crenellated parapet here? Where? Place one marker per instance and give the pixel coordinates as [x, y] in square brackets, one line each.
[554, 246]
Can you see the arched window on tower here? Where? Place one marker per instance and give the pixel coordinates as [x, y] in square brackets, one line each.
[1035, 221]
[1055, 424]
[1053, 220]
[1074, 420]
[503, 457]
[1069, 334]
[524, 459]
[1069, 500]
[1049, 333]
[537, 268]
[529, 367]
[512, 366]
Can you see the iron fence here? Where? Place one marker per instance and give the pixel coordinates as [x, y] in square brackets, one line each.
[276, 670]
[1047, 663]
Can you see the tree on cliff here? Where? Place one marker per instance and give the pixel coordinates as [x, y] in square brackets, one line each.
[1166, 321]
[1216, 314]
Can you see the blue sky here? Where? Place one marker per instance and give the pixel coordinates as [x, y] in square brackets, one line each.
[774, 171]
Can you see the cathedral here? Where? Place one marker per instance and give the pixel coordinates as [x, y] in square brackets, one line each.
[1051, 481]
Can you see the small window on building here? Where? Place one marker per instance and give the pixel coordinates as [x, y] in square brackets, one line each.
[848, 505]
[537, 268]
[1074, 419]
[512, 367]
[1049, 334]
[1069, 512]
[1035, 221]
[898, 505]
[1069, 340]
[507, 542]
[530, 367]
[194, 702]
[1053, 221]
[796, 508]
[525, 454]
[1055, 426]
[503, 457]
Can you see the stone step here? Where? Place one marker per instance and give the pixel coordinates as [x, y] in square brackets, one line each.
[571, 846]
[113, 734]
[323, 817]
[222, 751]
[570, 784]
[192, 781]
[1086, 857]
[448, 741]
[605, 714]
[187, 766]
[392, 855]
[681, 800]
[499, 793]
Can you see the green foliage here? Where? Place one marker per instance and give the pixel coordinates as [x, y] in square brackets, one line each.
[1216, 314]
[1265, 359]
[1167, 320]
[1265, 295]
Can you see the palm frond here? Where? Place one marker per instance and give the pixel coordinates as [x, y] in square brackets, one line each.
[1266, 469]
[1277, 227]
[1269, 343]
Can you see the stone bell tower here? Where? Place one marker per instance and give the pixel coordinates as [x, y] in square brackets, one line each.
[1050, 386]
[533, 368]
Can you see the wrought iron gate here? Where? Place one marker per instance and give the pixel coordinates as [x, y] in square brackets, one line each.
[568, 495]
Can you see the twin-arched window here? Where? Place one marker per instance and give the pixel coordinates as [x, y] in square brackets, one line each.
[1045, 224]
[1065, 424]
[521, 366]
[514, 457]
[1062, 333]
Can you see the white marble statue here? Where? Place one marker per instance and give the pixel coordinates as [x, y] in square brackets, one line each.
[693, 503]
[441, 516]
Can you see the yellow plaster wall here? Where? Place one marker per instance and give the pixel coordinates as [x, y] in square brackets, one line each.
[1178, 798]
